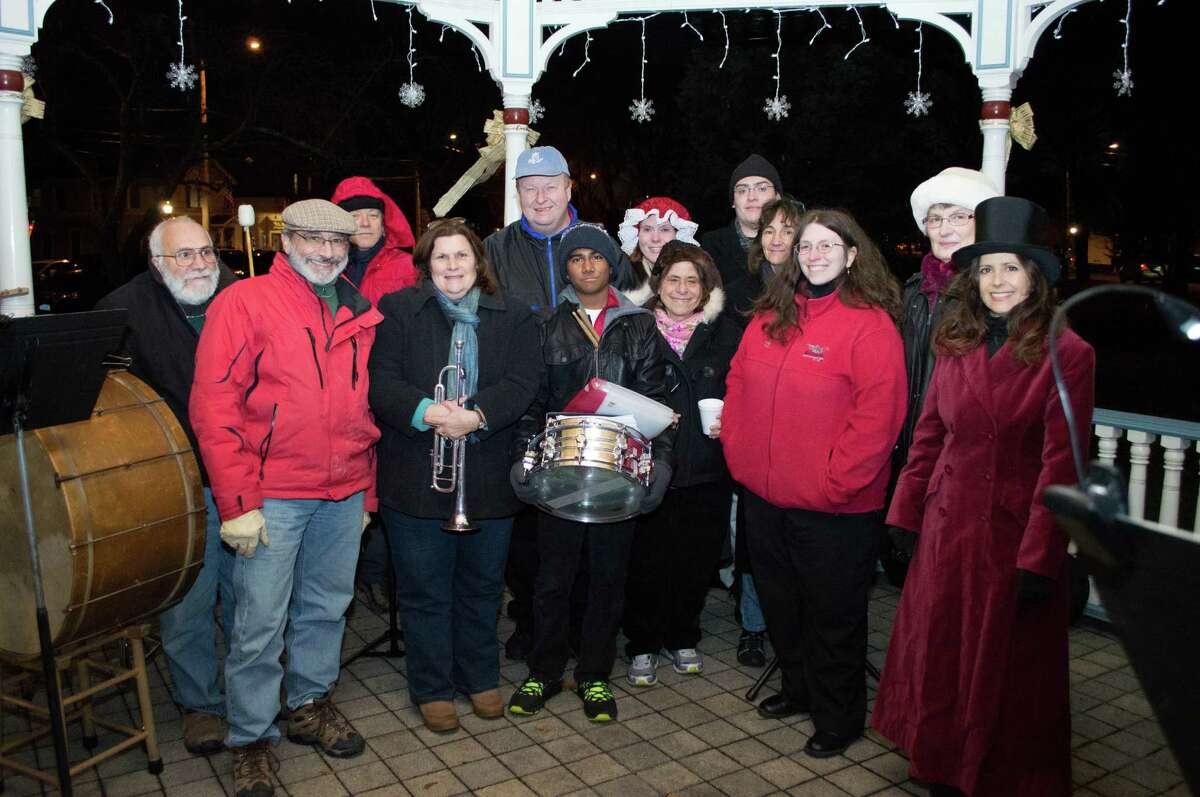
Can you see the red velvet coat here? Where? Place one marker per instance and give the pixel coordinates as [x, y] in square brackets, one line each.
[976, 694]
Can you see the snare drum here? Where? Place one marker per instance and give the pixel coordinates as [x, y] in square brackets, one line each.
[589, 468]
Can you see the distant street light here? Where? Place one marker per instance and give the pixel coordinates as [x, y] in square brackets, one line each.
[592, 176]
[166, 207]
[1073, 230]
[254, 44]
[1116, 145]
[454, 136]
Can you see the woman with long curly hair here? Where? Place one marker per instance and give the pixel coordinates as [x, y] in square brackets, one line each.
[975, 688]
[814, 403]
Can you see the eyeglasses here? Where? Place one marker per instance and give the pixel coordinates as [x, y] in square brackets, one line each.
[595, 257]
[185, 257]
[955, 219]
[821, 248]
[317, 241]
[765, 187]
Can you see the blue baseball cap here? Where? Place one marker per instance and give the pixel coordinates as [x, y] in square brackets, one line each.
[541, 162]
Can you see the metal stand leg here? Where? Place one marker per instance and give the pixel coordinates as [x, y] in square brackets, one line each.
[752, 693]
[393, 635]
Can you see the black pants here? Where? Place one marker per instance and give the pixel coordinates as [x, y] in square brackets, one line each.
[520, 574]
[563, 545]
[813, 574]
[675, 555]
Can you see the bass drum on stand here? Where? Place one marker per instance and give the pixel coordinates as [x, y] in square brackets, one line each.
[119, 511]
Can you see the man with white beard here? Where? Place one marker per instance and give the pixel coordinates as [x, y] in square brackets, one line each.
[167, 305]
[279, 404]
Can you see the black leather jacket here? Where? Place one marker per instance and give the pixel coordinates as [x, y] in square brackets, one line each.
[629, 356]
[916, 330]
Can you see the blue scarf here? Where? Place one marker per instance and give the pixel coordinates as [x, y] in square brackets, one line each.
[462, 314]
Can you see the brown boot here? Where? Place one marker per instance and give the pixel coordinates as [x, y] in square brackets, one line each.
[440, 716]
[252, 770]
[319, 723]
[488, 705]
[203, 734]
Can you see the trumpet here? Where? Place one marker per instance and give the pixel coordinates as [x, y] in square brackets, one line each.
[451, 455]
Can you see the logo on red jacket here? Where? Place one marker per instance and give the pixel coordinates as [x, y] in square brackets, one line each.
[815, 352]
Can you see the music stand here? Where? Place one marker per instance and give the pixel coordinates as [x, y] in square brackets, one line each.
[51, 372]
[393, 635]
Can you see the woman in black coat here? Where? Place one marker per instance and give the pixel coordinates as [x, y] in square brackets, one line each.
[449, 584]
[678, 546]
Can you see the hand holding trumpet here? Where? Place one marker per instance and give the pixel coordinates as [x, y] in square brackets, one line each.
[451, 420]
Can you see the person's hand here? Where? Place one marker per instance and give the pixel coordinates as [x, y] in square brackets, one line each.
[435, 415]
[1032, 589]
[660, 480]
[459, 422]
[714, 431]
[366, 520]
[244, 532]
[904, 543]
[522, 487]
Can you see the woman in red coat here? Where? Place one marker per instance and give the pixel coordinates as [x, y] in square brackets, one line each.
[975, 688]
[814, 402]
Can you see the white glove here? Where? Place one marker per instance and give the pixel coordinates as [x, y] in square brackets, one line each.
[244, 532]
[366, 520]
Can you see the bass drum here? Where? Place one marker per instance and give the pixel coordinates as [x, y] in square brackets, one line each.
[119, 511]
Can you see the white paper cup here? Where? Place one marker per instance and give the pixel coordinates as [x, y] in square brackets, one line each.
[710, 412]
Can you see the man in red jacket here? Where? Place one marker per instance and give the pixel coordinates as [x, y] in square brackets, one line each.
[380, 257]
[279, 407]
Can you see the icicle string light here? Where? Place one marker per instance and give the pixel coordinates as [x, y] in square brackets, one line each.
[724, 25]
[182, 75]
[918, 102]
[861, 29]
[778, 106]
[824, 26]
[642, 109]
[1061, 20]
[587, 58]
[374, 16]
[687, 24]
[104, 5]
[1123, 78]
[412, 93]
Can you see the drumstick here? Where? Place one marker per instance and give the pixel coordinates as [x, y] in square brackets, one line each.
[586, 323]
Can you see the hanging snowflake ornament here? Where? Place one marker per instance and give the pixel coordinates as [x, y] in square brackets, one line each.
[536, 111]
[28, 66]
[412, 94]
[182, 75]
[1123, 82]
[918, 104]
[640, 110]
[777, 107]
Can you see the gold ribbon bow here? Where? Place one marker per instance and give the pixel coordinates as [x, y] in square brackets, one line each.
[31, 106]
[491, 158]
[1020, 126]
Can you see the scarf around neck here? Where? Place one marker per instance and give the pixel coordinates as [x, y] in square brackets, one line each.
[463, 314]
[677, 333]
[935, 276]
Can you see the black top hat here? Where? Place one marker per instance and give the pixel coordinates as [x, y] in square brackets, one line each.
[1011, 224]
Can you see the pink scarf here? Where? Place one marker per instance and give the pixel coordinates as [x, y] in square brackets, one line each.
[935, 275]
[677, 333]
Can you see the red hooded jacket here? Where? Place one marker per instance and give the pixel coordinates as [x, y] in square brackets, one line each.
[279, 400]
[392, 267]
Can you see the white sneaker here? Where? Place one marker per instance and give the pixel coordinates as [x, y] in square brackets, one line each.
[686, 661]
[641, 671]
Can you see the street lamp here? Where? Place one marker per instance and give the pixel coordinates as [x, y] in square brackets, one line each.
[454, 136]
[254, 44]
[166, 207]
[1074, 230]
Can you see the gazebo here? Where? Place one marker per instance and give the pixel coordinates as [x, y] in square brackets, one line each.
[516, 38]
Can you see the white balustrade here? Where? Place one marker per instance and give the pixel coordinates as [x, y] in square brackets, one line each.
[1139, 466]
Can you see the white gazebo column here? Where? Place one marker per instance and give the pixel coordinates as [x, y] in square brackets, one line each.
[994, 124]
[516, 132]
[15, 268]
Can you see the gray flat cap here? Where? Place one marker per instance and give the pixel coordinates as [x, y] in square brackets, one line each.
[318, 215]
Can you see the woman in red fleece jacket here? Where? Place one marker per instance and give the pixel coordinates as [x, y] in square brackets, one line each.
[815, 400]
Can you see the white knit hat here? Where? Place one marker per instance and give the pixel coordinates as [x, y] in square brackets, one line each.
[953, 186]
[665, 209]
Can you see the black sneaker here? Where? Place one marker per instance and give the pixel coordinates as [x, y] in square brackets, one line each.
[751, 651]
[599, 705]
[531, 695]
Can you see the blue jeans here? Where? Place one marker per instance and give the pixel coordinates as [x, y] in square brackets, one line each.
[752, 615]
[448, 590]
[303, 579]
[189, 631]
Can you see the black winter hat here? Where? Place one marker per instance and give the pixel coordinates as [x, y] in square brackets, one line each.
[755, 166]
[1011, 224]
[589, 236]
[361, 202]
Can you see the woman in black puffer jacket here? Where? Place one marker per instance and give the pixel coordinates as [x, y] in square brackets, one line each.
[678, 546]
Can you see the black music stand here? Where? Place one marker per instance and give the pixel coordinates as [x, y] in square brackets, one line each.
[393, 635]
[51, 372]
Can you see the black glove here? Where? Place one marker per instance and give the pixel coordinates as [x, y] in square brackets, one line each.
[522, 487]
[1032, 589]
[904, 543]
[660, 480]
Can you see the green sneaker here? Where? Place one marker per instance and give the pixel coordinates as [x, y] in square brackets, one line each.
[599, 705]
[531, 695]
